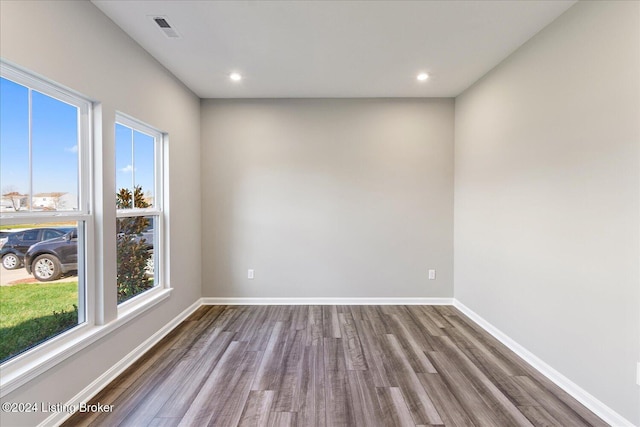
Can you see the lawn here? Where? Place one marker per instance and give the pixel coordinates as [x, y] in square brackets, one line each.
[31, 313]
[40, 225]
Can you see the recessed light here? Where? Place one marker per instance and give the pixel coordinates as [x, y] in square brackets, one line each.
[423, 76]
[236, 77]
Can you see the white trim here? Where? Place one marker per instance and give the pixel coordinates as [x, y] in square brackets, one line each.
[23, 76]
[326, 301]
[129, 212]
[24, 368]
[590, 402]
[112, 373]
[142, 302]
[135, 124]
[42, 218]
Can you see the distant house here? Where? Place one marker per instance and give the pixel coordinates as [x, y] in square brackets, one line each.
[55, 201]
[13, 202]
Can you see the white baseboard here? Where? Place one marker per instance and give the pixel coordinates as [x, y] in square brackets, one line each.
[327, 301]
[594, 405]
[112, 373]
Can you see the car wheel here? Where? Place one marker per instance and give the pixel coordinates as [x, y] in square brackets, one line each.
[46, 268]
[11, 261]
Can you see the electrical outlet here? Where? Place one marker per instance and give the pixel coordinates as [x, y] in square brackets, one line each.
[249, 274]
[432, 275]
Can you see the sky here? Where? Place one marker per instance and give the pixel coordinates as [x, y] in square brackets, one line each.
[134, 159]
[54, 142]
[54, 146]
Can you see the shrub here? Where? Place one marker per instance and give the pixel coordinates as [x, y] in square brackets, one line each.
[132, 251]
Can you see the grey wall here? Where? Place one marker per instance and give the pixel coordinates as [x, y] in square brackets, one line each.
[327, 198]
[546, 199]
[355, 198]
[74, 44]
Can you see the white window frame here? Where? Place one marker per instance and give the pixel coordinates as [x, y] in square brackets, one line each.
[158, 211]
[28, 364]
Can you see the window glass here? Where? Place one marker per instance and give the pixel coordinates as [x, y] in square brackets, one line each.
[39, 286]
[43, 130]
[39, 151]
[54, 153]
[139, 214]
[124, 160]
[30, 235]
[144, 161]
[14, 146]
[50, 234]
[136, 257]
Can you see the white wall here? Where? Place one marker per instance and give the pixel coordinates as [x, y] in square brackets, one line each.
[327, 198]
[74, 44]
[547, 199]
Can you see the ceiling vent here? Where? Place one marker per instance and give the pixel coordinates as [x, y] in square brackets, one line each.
[167, 29]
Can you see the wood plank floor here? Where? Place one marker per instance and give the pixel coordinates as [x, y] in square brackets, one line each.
[333, 366]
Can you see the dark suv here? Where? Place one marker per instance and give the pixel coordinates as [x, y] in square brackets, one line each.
[50, 259]
[15, 246]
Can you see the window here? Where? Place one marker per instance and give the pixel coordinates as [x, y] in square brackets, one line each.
[45, 213]
[52, 279]
[139, 207]
[52, 305]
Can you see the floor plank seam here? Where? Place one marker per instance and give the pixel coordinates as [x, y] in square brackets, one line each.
[331, 366]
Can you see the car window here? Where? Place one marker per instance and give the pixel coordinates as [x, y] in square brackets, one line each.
[50, 234]
[30, 235]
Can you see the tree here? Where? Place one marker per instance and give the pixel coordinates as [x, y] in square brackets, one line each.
[132, 251]
[17, 200]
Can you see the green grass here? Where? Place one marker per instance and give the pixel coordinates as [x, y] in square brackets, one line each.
[41, 225]
[31, 313]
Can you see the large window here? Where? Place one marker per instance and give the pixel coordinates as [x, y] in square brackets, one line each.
[139, 204]
[45, 210]
[56, 293]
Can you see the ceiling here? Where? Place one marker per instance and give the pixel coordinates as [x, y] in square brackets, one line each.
[332, 49]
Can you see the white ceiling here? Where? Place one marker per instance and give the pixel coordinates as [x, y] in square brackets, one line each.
[327, 49]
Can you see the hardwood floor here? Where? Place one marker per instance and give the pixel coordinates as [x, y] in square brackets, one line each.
[333, 366]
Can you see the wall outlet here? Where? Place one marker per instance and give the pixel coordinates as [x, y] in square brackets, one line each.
[432, 275]
[249, 274]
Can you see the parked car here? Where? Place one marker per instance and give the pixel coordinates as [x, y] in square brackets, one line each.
[4, 235]
[50, 259]
[13, 249]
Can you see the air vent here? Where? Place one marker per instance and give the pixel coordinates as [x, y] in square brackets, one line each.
[162, 23]
[167, 29]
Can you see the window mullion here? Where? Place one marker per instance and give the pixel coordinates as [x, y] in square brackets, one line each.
[30, 132]
[133, 169]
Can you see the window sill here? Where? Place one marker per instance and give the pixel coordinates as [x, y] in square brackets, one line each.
[141, 303]
[23, 368]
